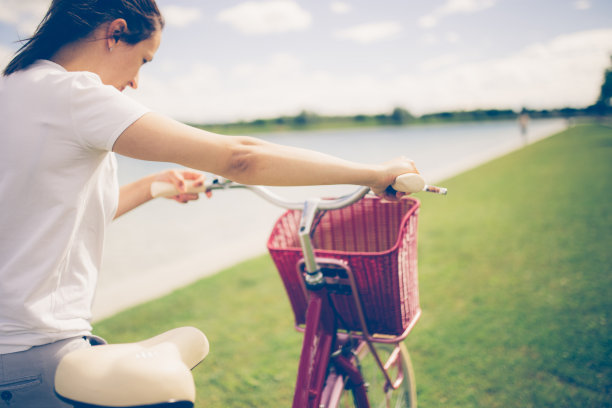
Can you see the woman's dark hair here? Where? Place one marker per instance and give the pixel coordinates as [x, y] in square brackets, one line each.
[72, 20]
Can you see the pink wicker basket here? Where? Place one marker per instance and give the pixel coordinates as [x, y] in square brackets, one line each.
[378, 242]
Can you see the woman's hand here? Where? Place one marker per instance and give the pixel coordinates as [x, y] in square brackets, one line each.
[178, 177]
[139, 192]
[389, 172]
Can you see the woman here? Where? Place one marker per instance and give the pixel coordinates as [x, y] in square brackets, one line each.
[62, 115]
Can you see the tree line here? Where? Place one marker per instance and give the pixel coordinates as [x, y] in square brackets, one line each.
[401, 116]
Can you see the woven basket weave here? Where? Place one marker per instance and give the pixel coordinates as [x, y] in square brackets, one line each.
[378, 241]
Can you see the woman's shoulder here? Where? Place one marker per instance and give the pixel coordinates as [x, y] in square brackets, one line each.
[51, 80]
[48, 72]
[47, 76]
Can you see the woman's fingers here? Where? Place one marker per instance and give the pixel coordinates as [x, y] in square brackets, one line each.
[179, 178]
[185, 197]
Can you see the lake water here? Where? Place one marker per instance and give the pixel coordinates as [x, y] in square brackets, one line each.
[164, 245]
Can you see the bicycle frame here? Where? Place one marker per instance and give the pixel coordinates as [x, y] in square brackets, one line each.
[316, 350]
[321, 334]
[323, 347]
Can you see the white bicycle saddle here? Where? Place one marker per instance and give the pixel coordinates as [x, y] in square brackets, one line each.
[153, 371]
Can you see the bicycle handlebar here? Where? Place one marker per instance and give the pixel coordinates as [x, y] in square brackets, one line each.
[407, 183]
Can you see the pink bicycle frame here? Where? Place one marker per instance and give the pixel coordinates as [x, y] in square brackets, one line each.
[316, 349]
[320, 336]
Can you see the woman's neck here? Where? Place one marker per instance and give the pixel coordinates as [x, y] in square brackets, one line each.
[82, 55]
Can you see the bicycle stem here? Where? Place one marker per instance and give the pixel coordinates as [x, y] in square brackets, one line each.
[314, 277]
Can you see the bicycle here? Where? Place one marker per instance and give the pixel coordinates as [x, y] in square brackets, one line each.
[355, 298]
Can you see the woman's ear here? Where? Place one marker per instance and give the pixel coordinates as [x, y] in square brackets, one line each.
[115, 31]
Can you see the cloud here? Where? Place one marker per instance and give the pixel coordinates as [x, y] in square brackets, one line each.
[179, 16]
[582, 4]
[566, 71]
[371, 32]
[455, 7]
[5, 56]
[340, 7]
[266, 17]
[464, 6]
[438, 62]
[25, 15]
[206, 93]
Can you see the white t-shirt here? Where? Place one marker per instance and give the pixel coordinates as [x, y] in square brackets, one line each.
[58, 193]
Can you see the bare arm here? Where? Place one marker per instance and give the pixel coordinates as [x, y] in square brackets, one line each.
[248, 160]
[134, 194]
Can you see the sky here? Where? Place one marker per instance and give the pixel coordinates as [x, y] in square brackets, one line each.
[228, 60]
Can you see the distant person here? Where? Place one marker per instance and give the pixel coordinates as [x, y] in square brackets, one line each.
[523, 120]
[62, 118]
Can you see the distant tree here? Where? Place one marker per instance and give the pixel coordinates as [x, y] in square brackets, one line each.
[305, 118]
[499, 113]
[381, 118]
[568, 112]
[401, 115]
[605, 95]
[479, 114]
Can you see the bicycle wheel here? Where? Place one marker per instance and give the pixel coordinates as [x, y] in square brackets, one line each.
[402, 397]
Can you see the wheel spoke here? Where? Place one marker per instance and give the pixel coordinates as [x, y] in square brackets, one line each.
[403, 397]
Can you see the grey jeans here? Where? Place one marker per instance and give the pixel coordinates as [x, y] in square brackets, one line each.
[27, 377]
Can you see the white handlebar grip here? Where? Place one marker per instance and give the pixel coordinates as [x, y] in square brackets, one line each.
[409, 183]
[167, 189]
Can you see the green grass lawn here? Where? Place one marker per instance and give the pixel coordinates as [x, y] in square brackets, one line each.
[515, 282]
